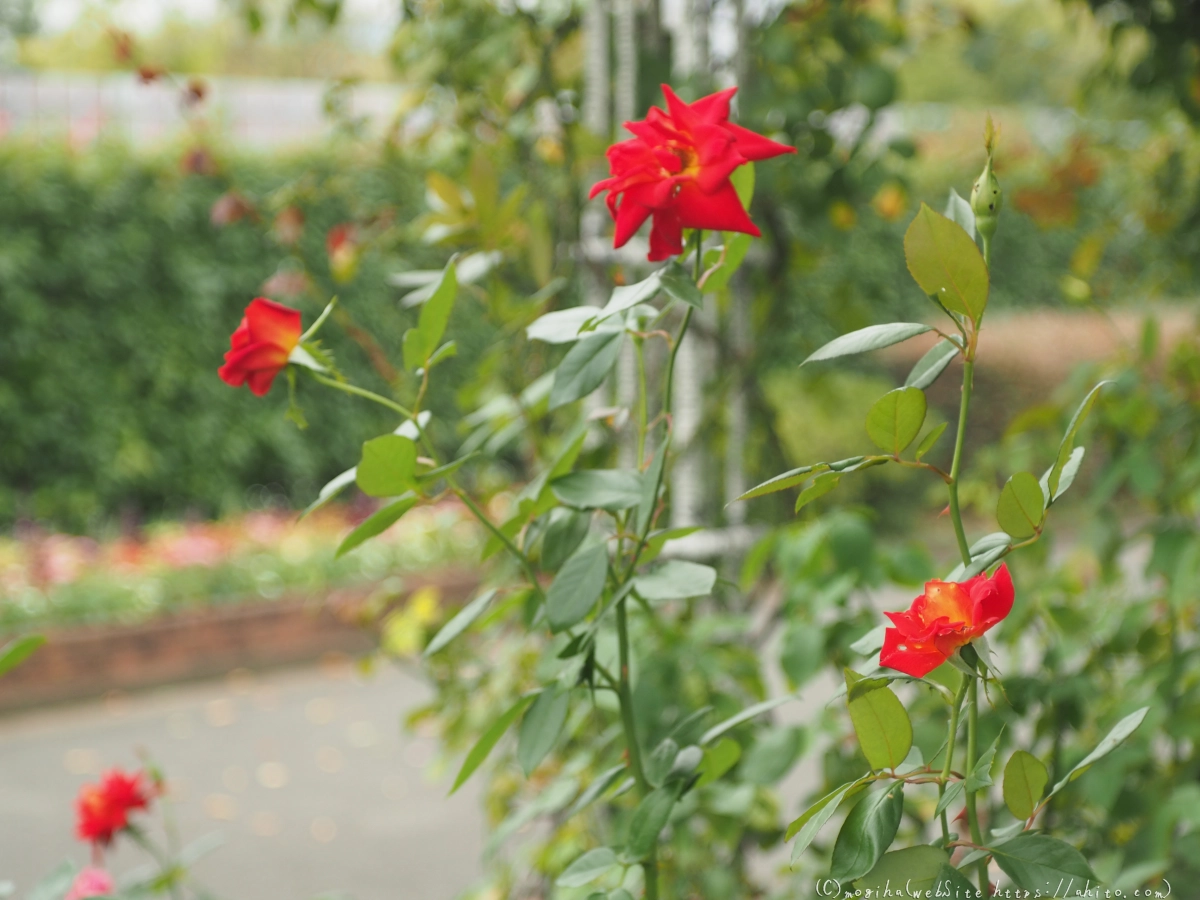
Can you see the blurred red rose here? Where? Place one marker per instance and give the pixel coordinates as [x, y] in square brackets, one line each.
[103, 809]
[676, 168]
[944, 618]
[260, 346]
[230, 207]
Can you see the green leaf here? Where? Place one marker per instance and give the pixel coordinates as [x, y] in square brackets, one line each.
[630, 295]
[387, 466]
[805, 828]
[649, 819]
[587, 868]
[577, 587]
[562, 326]
[435, 313]
[735, 248]
[490, 738]
[540, 728]
[954, 790]
[565, 531]
[821, 486]
[447, 350]
[1066, 478]
[772, 755]
[744, 716]
[930, 439]
[413, 345]
[676, 579]
[781, 482]
[1025, 779]
[1112, 740]
[434, 475]
[331, 489]
[866, 834]
[1068, 441]
[679, 285]
[953, 883]
[945, 262]
[585, 367]
[603, 782]
[981, 776]
[959, 211]
[461, 622]
[873, 337]
[610, 489]
[883, 727]
[18, 650]
[1037, 862]
[914, 869]
[1021, 506]
[56, 884]
[896, 418]
[378, 522]
[719, 759]
[932, 364]
[660, 761]
[742, 179]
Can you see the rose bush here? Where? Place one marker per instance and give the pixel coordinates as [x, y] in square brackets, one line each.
[588, 550]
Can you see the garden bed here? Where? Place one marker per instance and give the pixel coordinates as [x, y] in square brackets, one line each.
[93, 660]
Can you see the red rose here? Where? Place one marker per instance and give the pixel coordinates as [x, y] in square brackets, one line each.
[260, 346]
[944, 618]
[103, 809]
[676, 169]
[341, 243]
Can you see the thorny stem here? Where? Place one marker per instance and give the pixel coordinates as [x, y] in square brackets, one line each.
[964, 548]
[972, 746]
[951, 737]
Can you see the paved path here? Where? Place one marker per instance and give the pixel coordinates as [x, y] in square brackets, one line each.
[306, 772]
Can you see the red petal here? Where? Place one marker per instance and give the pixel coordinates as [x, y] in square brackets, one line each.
[917, 660]
[241, 365]
[241, 335]
[666, 235]
[718, 211]
[630, 216]
[273, 323]
[715, 107]
[992, 597]
[684, 117]
[754, 146]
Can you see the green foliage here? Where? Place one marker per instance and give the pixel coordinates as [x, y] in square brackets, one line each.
[113, 272]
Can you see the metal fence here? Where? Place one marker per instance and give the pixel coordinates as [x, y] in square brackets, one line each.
[266, 113]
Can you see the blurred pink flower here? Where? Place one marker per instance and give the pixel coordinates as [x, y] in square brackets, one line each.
[194, 547]
[91, 882]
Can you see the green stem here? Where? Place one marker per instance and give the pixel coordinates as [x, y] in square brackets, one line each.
[951, 739]
[362, 392]
[462, 495]
[167, 869]
[964, 548]
[972, 746]
[625, 696]
[643, 411]
[512, 548]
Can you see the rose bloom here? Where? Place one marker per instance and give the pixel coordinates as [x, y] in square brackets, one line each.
[91, 882]
[944, 618]
[676, 169]
[260, 346]
[341, 243]
[103, 809]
